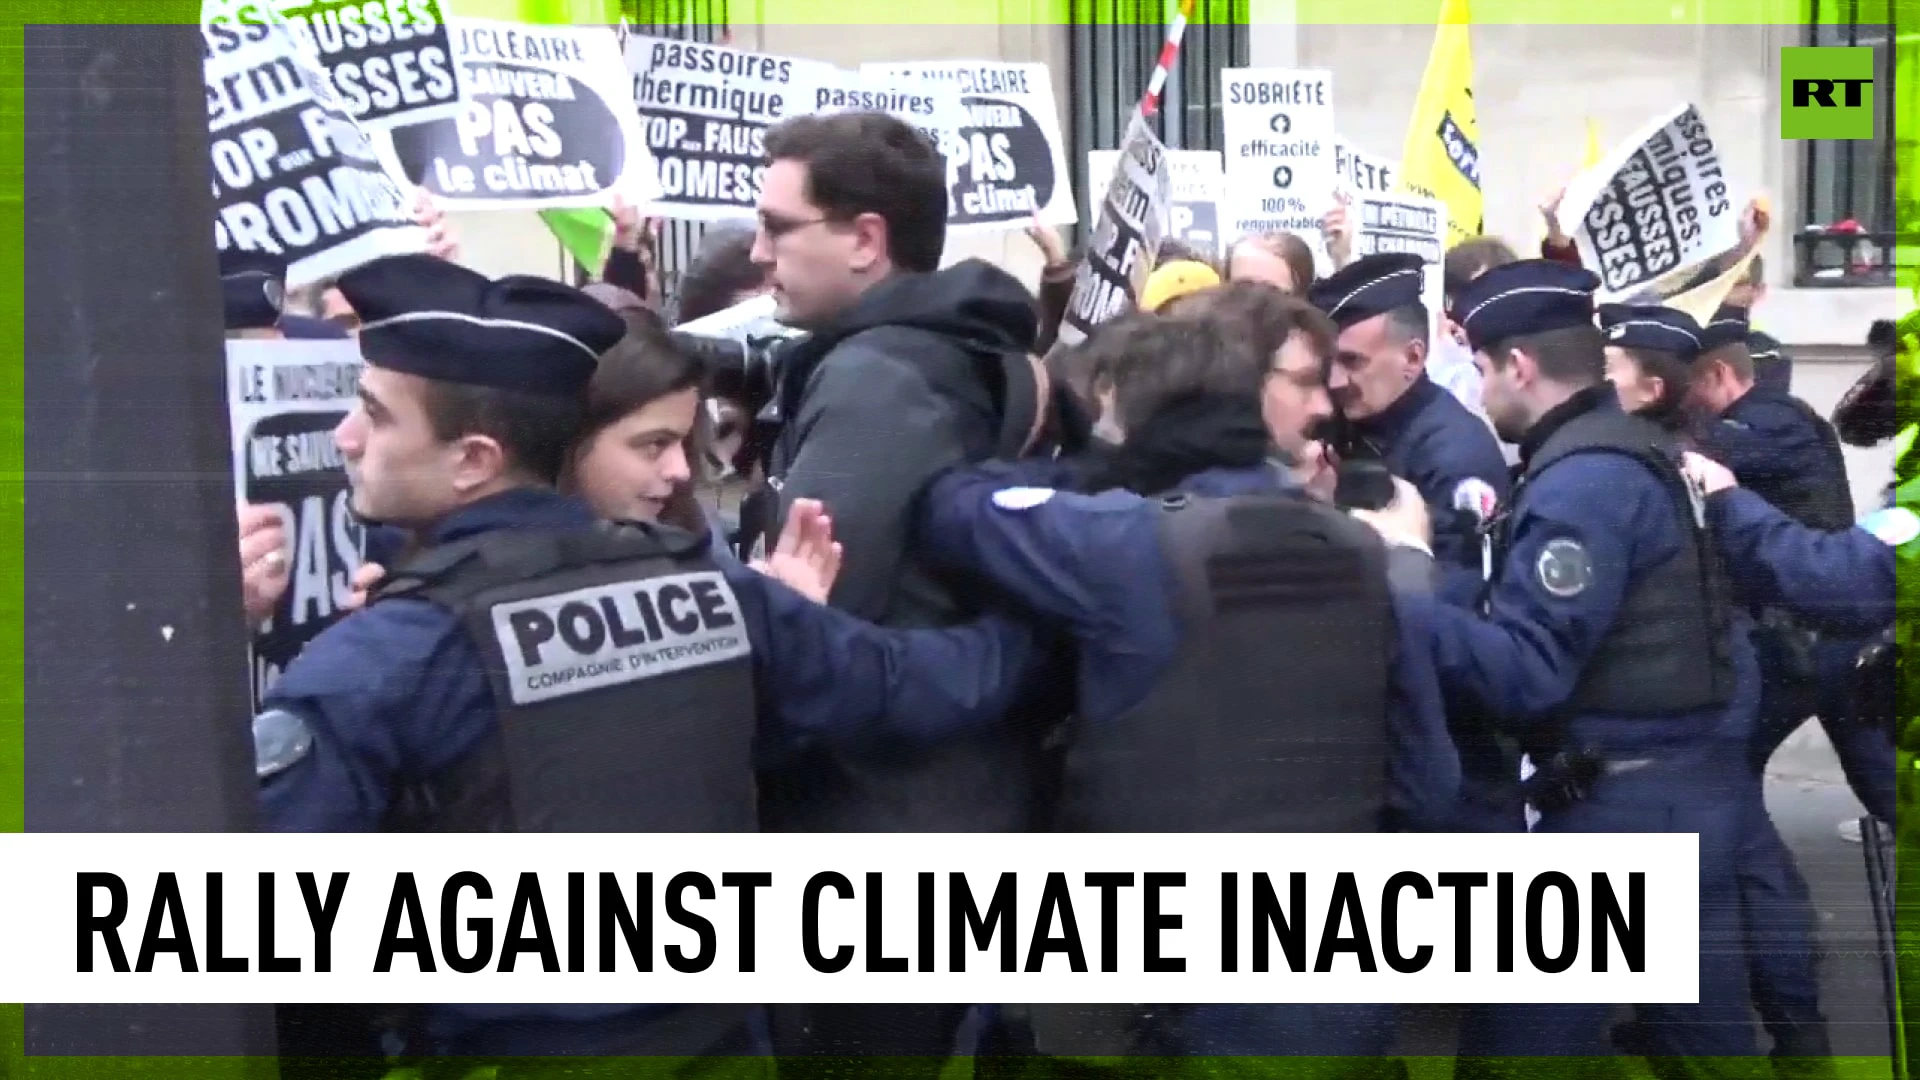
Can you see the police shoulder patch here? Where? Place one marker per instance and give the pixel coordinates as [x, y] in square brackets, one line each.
[280, 740]
[607, 635]
[1021, 498]
[1894, 526]
[1564, 568]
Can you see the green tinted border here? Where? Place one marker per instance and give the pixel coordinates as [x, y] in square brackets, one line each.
[13, 1064]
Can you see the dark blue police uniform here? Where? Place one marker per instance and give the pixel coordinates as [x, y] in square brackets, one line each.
[1426, 437]
[397, 697]
[1098, 565]
[1601, 644]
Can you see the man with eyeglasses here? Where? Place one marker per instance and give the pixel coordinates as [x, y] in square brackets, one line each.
[907, 370]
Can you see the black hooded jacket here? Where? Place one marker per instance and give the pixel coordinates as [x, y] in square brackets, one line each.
[914, 379]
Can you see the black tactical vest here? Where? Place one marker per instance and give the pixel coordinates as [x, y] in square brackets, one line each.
[1273, 715]
[1669, 649]
[622, 677]
[1818, 500]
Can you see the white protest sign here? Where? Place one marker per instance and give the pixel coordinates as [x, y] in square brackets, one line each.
[293, 175]
[705, 110]
[390, 60]
[548, 123]
[933, 109]
[1406, 224]
[1361, 172]
[1127, 232]
[1279, 157]
[1012, 158]
[1655, 207]
[284, 400]
[1198, 184]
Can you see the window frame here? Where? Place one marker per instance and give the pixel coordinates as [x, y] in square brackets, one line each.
[1816, 251]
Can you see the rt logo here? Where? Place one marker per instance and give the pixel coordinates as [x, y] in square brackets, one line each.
[1826, 93]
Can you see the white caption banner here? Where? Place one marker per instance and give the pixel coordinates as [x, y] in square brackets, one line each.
[1399, 900]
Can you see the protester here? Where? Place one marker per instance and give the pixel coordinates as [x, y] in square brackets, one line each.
[1280, 259]
[1181, 673]
[907, 369]
[721, 274]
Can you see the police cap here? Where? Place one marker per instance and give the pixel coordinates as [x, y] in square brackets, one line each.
[1532, 296]
[1647, 326]
[426, 316]
[1372, 285]
[252, 289]
[1729, 326]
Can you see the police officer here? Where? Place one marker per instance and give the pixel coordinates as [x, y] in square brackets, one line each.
[1650, 353]
[477, 692]
[1240, 667]
[1393, 412]
[1776, 444]
[1605, 642]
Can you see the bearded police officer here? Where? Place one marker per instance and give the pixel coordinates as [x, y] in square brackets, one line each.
[493, 680]
[1606, 643]
[1240, 665]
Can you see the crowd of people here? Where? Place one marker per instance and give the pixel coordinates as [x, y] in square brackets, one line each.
[1276, 552]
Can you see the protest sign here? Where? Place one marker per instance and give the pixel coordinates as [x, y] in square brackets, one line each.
[1361, 172]
[1280, 159]
[1012, 158]
[284, 400]
[547, 123]
[293, 175]
[1656, 206]
[705, 110]
[1194, 218]
[1131, 221]
[390, 60]
[932, 108]
[1403, 223]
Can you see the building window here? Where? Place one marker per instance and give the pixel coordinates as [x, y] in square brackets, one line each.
[1846, 234]
[687, 20]
[1111, 53]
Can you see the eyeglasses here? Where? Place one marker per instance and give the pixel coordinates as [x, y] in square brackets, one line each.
[777, 227]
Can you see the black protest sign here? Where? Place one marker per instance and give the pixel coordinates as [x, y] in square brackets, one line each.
[1658, 207]
[286, 397]
[390, 60]
[705, 110]
[293, 175]
[1008, 160]
[546, 123]
[1126, 240]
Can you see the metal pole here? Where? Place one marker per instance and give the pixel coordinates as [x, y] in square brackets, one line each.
[136, 675]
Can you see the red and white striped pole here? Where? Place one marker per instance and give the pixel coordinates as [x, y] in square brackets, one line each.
[1169, 52]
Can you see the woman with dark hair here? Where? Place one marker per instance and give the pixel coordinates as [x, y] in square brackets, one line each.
[1650, 353]
[639, 455]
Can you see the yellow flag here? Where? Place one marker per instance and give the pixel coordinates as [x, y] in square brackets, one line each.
[1594, 152]
[1441, 159]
